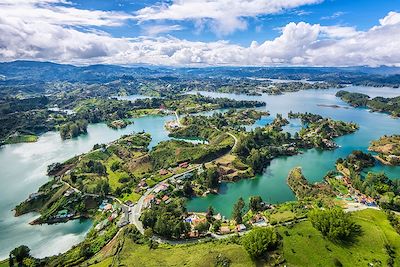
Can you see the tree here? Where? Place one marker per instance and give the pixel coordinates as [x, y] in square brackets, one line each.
[255, 203]
[216, 225]
[212, 178]
[10, 260]
[334, 223]
[187, 189]
[20, 253]
[237, 213]
[202, 227]
[259, 241]
[210, 214]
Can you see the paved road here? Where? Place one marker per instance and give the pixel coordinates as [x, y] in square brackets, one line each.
[136, 210]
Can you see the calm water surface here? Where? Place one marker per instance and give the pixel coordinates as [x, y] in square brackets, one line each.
[23, 166]
[23, 171]
[271, 185]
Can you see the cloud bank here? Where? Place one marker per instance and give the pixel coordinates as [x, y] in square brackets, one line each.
[55, 30]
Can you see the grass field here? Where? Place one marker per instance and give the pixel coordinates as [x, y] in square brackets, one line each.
[305, 246]
[23, 138]
[188, 255]
[302, 245]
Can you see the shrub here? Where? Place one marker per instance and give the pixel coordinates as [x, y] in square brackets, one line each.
[334, 223]
[259, 241]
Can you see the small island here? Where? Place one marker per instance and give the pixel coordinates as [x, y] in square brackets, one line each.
[376, 104]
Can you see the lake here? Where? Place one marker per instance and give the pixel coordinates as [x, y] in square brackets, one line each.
[23, 171]
[271, 185]
[23, 166]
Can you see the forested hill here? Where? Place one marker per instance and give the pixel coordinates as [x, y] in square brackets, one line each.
[34, 71]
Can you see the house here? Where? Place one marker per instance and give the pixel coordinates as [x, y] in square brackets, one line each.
[35, 195]
[193, 234]
[224, 230]
[218, 217]
[62, 214]
[149, 200]
[69, 192]
[163, 172]
[165, 198]
[100, 226]
[240, 227]
[161, 187]
[142, 184]
[108, 207]
[184, 165]
[129, 203]
[103, 204]
[112, 216]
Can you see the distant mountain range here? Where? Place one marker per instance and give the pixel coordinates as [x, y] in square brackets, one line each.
[33, 71]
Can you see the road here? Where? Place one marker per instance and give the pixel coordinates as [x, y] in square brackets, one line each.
[177, 119]
[236, 141]
[136, 210]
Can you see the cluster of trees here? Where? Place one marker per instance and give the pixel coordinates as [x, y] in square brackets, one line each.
[381, 104]
[376, 185]
[394, 220]
[259, 241]
[379, 186]
[21, 255]
[73, 129]
[320, 133]
[305, 117]
[208, 178]
[238, 211]
[182, 101]
[334, 224]
[259, 146]
[94, 166]
[357, 161]
[167, 219]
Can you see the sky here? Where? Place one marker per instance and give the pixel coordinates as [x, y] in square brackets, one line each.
[202, 32]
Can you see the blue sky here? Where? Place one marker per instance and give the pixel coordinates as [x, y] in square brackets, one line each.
[362, 14]
[202, 32]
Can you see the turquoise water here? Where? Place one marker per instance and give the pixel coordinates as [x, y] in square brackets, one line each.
[23, 171]
[23, 166]
[271, 185]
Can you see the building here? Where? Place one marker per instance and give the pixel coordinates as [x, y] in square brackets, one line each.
[184, 165]
[241, 227]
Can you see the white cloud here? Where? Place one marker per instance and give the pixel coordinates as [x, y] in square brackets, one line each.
[39, 36]
[226, 15]
[391, 19]
[334, 15]
[59, 12]
[157, 29]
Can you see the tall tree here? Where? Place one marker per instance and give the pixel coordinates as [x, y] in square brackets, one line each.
[237, 213]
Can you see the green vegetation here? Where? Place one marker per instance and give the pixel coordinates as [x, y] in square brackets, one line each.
[319, 131]
[303, 190]
[380, 104]
[166, 220]
[334, 223]
[367, 248]
[73, 129]
[376, 185]
[119, 124]
[170, 153]
[388, 149]
[238, 210]
[259, 241]
[128, 250]
[21, 138]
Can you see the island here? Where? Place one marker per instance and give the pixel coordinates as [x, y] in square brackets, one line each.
[388, 149]
[378, 104]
